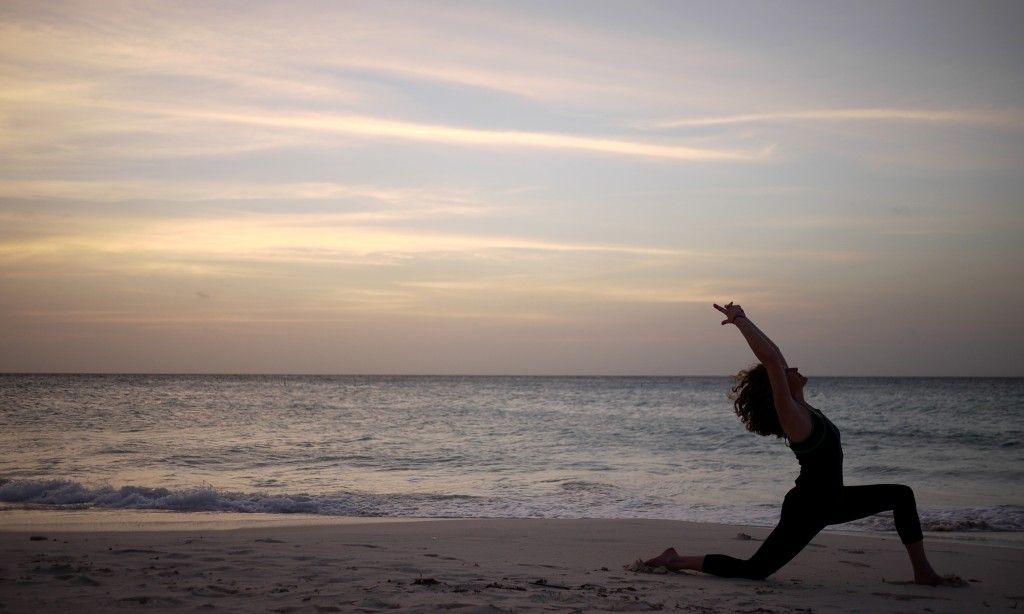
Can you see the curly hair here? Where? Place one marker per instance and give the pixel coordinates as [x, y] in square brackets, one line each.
[752, 399]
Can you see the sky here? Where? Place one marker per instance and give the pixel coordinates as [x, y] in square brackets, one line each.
[510, 187]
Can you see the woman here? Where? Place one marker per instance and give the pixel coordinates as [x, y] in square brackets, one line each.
[769, 399]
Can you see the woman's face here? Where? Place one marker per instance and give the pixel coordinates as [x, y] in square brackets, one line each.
[796, 381]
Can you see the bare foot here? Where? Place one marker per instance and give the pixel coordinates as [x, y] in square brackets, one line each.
[664, 559]
[934, 579]
[929, 578]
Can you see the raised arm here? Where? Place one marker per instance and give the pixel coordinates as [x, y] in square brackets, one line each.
[793, 416]
[764, 348]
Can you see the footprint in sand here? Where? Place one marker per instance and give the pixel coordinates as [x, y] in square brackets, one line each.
[59, 569]
[212, 590]
[152, 600]
[902, 597]
[379, 604]
[947, 580]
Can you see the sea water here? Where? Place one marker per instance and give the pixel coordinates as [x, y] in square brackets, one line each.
[566, 447]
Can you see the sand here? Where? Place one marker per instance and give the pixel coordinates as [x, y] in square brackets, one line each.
[141, 561]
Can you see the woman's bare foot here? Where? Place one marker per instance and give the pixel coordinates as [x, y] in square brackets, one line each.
[665, 559]
[928, 578]
[934, 579]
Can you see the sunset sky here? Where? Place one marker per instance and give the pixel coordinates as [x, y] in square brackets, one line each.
[510, 187]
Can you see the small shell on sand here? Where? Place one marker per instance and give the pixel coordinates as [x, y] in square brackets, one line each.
[953, 580]
[639, 566]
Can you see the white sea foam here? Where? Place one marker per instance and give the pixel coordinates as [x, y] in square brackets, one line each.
[63, 494]
[997, 518]
[67, 493]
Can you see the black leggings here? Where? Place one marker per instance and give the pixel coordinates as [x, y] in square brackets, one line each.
[804, 514]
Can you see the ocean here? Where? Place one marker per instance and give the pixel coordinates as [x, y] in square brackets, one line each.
[553, 447]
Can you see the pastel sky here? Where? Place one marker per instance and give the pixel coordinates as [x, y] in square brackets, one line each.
[510, 187]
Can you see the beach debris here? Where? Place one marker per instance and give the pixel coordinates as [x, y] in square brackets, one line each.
[744, 536]
[601, 591]
[83, 580]
[507, 587]
[953, 580]
[639, 566]
[425, 581]
[947, 580]
[543, 582]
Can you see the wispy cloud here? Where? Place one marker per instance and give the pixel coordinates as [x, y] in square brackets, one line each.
[1011, 119]
[371, 127]
[103, 66]
[106, 59]
[230, 245]
[456, 135]
[284, 238]
[97, 190]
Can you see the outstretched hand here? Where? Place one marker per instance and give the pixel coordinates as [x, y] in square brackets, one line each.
[731, 312]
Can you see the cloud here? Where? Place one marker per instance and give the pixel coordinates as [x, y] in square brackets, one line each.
[283, 237]
[1011, 119]
[92, 58]
[101, 191]
[368, 126]
[153, 119]
[97, 78]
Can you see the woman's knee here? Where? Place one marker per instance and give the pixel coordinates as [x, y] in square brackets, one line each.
[730, 567]
[758, 572]
[905, 495]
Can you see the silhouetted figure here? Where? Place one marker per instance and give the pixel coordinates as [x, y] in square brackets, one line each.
[769, 399]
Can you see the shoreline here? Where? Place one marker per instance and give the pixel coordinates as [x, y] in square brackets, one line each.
[95, 519]
[132, 559]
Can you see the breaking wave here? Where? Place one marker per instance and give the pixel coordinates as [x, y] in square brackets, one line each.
[68, 494]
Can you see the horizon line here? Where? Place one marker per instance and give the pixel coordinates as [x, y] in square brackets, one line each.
[468, 375]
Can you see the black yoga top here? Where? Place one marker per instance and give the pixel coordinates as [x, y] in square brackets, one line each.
[820, 455]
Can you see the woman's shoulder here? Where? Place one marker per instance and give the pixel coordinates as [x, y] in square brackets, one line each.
[817, 434]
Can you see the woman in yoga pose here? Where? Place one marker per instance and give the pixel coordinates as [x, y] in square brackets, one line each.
[769, 400]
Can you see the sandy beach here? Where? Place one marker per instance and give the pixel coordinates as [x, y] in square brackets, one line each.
[137, 561]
